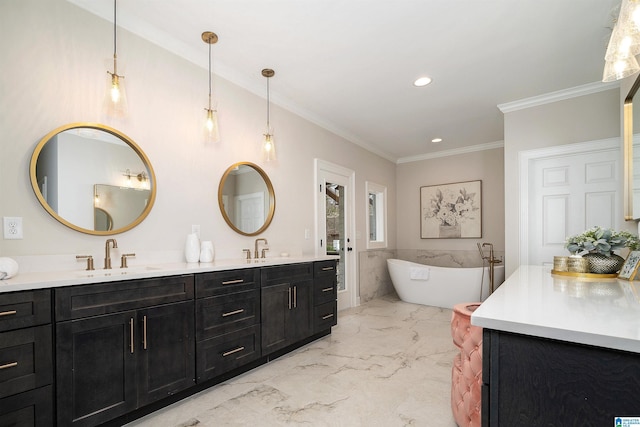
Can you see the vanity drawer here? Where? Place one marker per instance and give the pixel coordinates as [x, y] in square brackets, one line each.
[225, 282]
[26, 360]
[75, 302]
[286, 273]
[325, 316]
[216, 356]
[31, 408]
[223, 314]
[24, 309]
[325, 289]
[325, 268]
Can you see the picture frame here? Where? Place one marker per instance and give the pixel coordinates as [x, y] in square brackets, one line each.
[451, 211]
[630, 267]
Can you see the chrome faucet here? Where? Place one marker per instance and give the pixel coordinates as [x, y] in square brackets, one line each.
[492, 261]
[255, 253]
[107, 253]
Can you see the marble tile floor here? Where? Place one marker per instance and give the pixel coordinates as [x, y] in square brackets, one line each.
[387, 363]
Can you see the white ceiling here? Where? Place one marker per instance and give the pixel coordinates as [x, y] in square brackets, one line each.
[349, 65]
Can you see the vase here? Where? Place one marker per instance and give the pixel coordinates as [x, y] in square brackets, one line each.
[206, 251]
[602, 264]
[450, 231]
[192, 248]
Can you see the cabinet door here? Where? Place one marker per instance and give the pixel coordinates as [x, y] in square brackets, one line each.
[300, 320]
[95, 368]
[276, 304]
[165, 351]
[31, 408]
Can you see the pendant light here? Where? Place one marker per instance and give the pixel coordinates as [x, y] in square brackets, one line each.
[268, 144]
[115, 97]
[211, 118]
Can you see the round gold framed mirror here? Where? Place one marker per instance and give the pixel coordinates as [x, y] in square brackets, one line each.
[92, 178]
[246, 198]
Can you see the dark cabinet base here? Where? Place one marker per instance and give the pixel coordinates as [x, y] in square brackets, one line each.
[31, 408]
[532, 381]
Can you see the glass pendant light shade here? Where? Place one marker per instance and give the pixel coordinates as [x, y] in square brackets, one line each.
[211, 133]
[211, 130]
[619, 69]
[268, 147]
[268, 143]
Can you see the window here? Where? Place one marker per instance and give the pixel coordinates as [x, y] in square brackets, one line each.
[376, 215]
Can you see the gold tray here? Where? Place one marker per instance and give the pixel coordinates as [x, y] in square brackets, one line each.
[585, 275]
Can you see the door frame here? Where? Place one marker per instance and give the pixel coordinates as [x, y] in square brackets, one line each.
[525, 158]
[323, 166]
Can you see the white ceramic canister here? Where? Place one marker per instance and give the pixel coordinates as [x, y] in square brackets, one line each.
[192, 248]
[207, 252]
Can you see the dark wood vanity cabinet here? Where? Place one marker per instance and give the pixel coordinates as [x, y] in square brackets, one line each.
[122, 345]
[26, 359]
[533, 381]
[287, 305]
[325, 295]
[227, 321]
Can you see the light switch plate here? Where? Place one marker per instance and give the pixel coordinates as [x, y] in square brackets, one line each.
[12, 227]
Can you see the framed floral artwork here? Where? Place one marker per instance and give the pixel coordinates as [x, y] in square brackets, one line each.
[451, 211]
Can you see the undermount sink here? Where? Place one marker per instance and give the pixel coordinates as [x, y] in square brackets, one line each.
[117, 271]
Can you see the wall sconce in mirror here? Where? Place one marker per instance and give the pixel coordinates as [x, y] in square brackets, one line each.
[212, 134]
[624, 44]
[142, 178]
[77, 176]
[268, 144]
[115, 100]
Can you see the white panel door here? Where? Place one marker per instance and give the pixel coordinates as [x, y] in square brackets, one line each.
[568, 194]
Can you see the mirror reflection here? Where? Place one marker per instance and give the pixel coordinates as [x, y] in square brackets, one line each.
[246, 198]
[92, 178]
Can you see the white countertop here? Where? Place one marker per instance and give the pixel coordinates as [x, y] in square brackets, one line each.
[598, 312]
[40, 280]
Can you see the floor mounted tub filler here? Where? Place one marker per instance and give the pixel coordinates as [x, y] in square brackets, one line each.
[441, 286]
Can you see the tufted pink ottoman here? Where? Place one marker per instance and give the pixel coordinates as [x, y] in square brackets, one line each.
[466, 374]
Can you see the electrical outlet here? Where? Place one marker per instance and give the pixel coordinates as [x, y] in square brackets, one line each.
[196, 229]
[12, 228]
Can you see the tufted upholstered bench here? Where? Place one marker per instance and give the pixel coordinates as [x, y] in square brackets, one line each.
[466, 374]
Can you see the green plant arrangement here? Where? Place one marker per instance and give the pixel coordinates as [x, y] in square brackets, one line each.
[601, 241]
[597, 245]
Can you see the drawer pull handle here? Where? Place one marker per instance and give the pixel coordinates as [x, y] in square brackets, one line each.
[131, 332]
[233, 282]
[327, 268]
[327, 289]
[8, 313]
[231, 313]
[328, 316]
[230, 352]
[9, 365]
[144, 336]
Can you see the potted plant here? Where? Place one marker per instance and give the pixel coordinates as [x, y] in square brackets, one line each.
[598, 245]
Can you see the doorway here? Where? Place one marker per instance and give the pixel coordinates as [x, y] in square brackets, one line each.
[335, 222]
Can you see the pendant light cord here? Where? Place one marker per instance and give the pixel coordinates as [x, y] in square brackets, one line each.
[115, 38]
[209, 76]
[268, 104]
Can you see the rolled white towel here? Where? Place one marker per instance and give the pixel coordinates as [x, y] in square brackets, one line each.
[8, 268]
[419, 273]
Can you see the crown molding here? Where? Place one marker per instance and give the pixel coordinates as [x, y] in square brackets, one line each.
[452, 152]
[560, 95]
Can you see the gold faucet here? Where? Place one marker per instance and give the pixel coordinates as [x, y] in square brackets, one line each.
[492, 260]
[107, 253]
[255, 254]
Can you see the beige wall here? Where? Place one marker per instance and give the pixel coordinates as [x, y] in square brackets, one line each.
[54, 73]
[585, 118]
[487, 166]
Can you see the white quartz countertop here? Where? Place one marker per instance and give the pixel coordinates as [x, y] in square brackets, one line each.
[598, 312]
[40, 280]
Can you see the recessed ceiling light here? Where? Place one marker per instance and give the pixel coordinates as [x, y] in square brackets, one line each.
[422, 81]
[436, 140]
